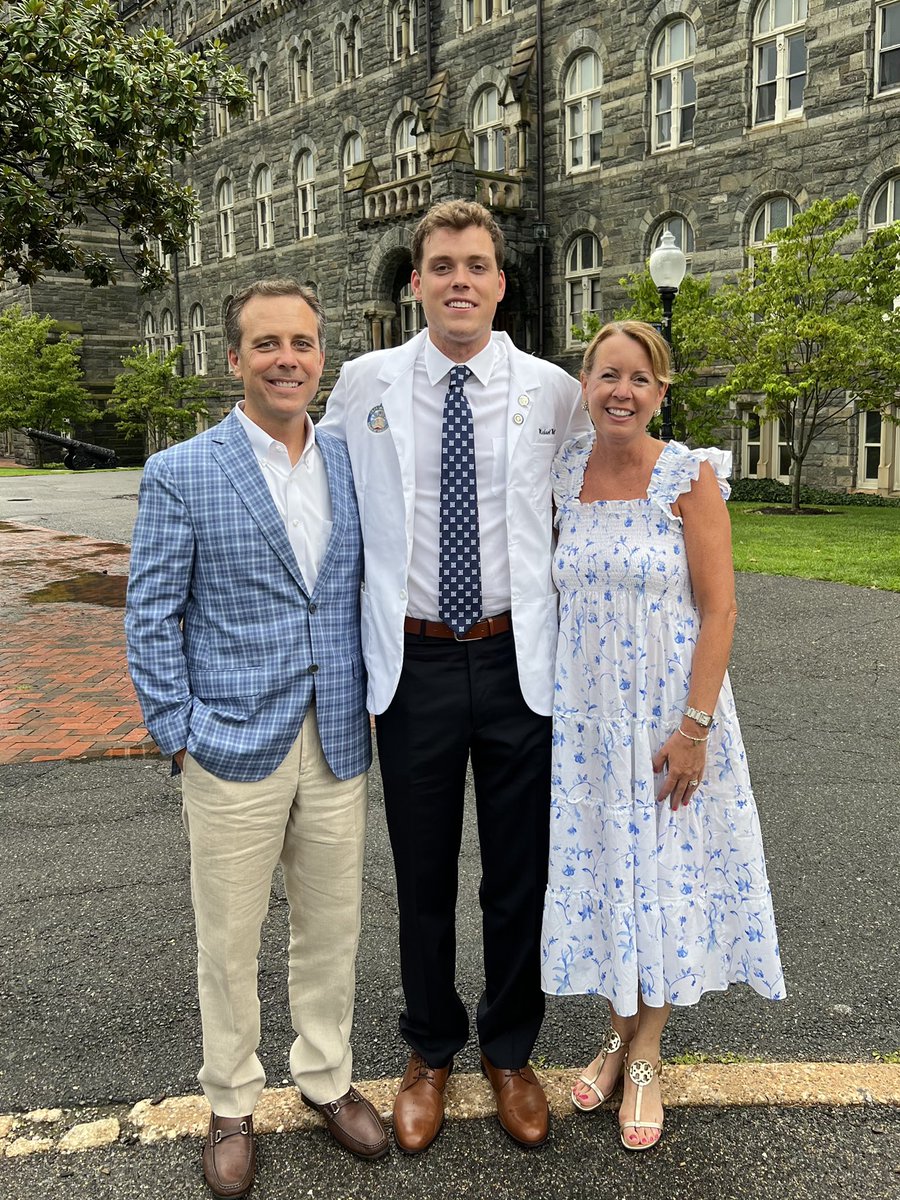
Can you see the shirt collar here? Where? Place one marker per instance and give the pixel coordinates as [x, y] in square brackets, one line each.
[263, 444]
[438, 365]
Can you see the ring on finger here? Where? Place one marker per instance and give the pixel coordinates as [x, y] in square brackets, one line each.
[693, 783]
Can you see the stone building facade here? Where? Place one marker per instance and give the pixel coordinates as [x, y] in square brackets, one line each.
[588, 128]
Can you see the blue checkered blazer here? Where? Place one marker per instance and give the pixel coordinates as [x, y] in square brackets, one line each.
[227, 645]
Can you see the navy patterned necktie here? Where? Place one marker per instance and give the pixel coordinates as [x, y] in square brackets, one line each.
[459, 587]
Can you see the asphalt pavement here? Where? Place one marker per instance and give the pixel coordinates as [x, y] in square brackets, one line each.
[98, 1005]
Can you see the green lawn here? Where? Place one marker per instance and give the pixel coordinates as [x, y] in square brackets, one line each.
[850, 545]
[59, 470]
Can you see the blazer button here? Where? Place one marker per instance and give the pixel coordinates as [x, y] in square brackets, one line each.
[312, 668]
[313, 607]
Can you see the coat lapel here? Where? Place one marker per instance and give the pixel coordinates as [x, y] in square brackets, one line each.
[234, 455]
[524, 392]
[340, 483]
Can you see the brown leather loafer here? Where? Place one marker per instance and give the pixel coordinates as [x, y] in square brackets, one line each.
[353, 1122]
[419, 1106]
[229, 1156]
[521, 1103]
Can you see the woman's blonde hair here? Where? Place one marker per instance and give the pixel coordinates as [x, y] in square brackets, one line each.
[654, 343]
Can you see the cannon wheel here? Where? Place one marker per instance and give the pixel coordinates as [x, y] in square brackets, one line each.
[77, 461]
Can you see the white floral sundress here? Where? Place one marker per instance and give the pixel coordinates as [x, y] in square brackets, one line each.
[676, 903]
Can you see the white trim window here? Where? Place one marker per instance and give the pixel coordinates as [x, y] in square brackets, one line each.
[188, 19]
[887, 49]
[148, 332]
[221, 121]
[404, 22]
[783, 450]
[489, 135]
[225, 211]
[412, 316]
[885, 208]
[305, 176]
[198, 339]
[300, 73]
[674, 92]
[352, 153]
[259, 85]
[163, 257]
[584, 114]
[265, 216]
[681, 230]
[343, 60]
[779, 60]
[583, 263]
[751, 444]
[869, 451]
[194, 251]
[776, 213]
[356, 47]
[479, 12]
[167, 331]
[406, 158]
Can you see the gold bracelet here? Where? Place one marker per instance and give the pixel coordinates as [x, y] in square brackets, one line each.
[690, 737]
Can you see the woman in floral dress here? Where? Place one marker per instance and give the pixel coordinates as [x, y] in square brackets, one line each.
[657, 888]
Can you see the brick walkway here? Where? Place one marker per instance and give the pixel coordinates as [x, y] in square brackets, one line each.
[64, 687]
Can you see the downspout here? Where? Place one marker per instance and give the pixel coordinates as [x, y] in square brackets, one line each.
[539, 80]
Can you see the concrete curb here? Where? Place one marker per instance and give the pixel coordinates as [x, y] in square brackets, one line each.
[280, 1110]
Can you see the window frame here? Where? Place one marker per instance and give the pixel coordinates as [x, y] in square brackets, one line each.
[881, 89]
[489, 135]
[305, 192]
[406, 157]
[675, 71]
[890, 189]
[199, 360]
[300, 73]
[225, 222]
[264, 208]
[351, 140]
[582, 279]
[780, 37]
[584, 104]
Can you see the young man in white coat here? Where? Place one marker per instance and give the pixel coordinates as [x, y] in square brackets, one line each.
[451, 438]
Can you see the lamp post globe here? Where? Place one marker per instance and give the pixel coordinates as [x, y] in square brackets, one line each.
[667, 267]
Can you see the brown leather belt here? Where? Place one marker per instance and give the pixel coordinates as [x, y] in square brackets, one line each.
[485, 628]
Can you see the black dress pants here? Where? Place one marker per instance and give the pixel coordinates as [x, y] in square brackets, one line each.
[456, 700]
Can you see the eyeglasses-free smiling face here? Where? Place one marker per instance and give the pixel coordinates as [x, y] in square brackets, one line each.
[460, 287]
[279, 362]
[621, 392]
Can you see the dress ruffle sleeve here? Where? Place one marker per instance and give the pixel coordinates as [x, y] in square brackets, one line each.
[678, 467]
[567, 472]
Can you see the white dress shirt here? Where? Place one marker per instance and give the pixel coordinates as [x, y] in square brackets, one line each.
[299, 492]
[487, 391]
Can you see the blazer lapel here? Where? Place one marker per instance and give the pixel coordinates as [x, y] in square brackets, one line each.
[234, 455]
[340, 483]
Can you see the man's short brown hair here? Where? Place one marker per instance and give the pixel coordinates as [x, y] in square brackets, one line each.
[270, 287]
[456, 214]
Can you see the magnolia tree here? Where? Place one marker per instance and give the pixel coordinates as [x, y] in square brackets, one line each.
[150, 400]
[94, 120]
[809, 331]
[40, 376]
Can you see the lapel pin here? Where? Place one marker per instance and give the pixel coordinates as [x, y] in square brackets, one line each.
[376, 420]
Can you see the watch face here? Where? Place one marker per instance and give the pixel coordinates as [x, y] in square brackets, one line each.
[695, 714]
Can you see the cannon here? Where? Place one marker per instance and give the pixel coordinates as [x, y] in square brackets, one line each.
[79, 456]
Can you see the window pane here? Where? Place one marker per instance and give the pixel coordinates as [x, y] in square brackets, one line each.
[795, 92]
[879, 211]
[587, 253]
[595, 295]
[873, 458]
[890, 69]
[753, 459]
[686, 133]
[796, 54]
[890, 25]
[767, 62]
[688, 86]
[784, 13]
[779, 213]
[595, 149]
[873, 426]
[664, 129]
[664, 93]
[765, 103]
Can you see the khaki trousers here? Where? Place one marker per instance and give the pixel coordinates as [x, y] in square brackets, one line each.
[313, 824]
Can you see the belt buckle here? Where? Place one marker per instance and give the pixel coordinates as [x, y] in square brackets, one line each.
[478, 637]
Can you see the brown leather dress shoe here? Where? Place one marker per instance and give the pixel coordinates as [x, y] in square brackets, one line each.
[353, 1122]
[229, 1156]
[521, 1103]
[419, 1106]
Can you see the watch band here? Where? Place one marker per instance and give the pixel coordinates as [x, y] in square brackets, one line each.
[698, 715]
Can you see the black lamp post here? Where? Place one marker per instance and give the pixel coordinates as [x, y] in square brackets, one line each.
[667, 268]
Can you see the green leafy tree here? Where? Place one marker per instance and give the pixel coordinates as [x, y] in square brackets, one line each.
[93, 120]
[696, 414]
[40, 376]
[809, 330]
[149, 400]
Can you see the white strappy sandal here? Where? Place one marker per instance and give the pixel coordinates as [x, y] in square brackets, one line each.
[611, 1045]
[640, 1072]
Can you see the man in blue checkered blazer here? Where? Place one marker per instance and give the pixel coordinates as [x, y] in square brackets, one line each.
[244, 646]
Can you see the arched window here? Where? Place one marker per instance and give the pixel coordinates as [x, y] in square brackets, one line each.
[406, 160]
[490, 136]
[776, 213]
[306, 194]
[167, 331]
[163, 257]
[356, 47]
[404, 19]
[221, 119]
[673, 89]
[261, 93]
[582, 281]
[262, 191]
[198, 339]
[342, 59]
[885, 208]
[193, 244]
[779, 60]
[300, 73]
[479, 12]
[680, 229]
[887, 50]
[187, 19]
[149, 333]
[412, 317]
[584, 122]
[225, 209]
[352, 153]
